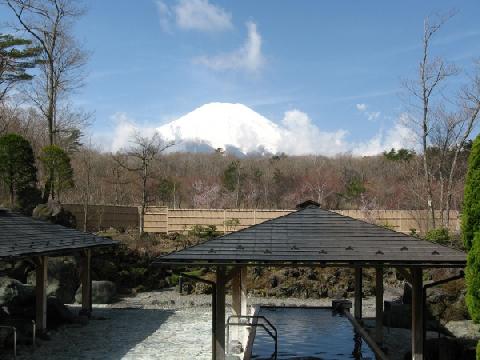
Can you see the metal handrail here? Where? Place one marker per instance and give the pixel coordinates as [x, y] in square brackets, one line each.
[271, 330]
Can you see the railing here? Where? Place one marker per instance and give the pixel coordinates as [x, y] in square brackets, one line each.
[267, 326]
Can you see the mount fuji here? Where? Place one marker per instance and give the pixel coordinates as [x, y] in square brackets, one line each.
[232, 127]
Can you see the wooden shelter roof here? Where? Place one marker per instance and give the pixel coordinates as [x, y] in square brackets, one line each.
[314, 236]
[23, 236]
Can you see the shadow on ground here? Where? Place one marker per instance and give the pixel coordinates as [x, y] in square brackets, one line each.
[114, 336]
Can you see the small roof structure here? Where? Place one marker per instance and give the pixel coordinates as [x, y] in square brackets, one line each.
[23, 236]
[314, 236]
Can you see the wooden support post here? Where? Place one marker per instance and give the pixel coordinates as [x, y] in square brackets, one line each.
[86, 281]
[243, 290]
[236, 293]
[417, 314]
[41, 280]
[214, 322]
[379, 305]
[220, 313]
[358, 293]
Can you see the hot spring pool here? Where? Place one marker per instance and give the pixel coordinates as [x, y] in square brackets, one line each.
[309, 333]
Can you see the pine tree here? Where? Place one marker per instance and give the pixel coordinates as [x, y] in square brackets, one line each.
[57, 169]
[16, 57]
[17, 165]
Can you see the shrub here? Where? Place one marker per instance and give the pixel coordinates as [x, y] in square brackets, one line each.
[439, 236]
[472, 277]
[203, 232]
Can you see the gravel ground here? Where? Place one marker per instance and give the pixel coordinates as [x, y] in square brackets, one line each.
[154, 325]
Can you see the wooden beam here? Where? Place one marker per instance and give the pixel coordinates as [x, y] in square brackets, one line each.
[417, 314]
[379, 305]
[220, 313]
[86, 281]
[358, 293]
[41, 279]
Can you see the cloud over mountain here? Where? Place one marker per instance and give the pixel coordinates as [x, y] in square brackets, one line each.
[241, 130]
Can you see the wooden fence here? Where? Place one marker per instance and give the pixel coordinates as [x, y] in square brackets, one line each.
[160, 219]
[105, 216]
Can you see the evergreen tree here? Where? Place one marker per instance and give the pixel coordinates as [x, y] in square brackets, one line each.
[471, 199]
[470, 229]
[57, 169]
[16, 57]
[472, 276]
[17, 165]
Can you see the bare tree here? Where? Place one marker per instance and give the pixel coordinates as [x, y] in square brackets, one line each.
[432, 74]
[454, 132]
[139, 159]
[49, 22]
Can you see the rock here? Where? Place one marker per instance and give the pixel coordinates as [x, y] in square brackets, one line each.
[57, 313]
[202, 288]
[456, 310]
[446, 348]
[397, 315]
[20, 270]
[187, 288]
[273, 282]
[103, 292]
[465, 329]
[312, 275]
[55, 213]
[63, 279]
[15, 293]
[407, 293]
[235, 347]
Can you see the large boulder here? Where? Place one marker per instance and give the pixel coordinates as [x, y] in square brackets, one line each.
[63, 279]
[15, 293]
[54, 212]
[57, 313]
[103, 292]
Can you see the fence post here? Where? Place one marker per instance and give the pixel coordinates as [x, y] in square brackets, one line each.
[166, 217]
[224, 220]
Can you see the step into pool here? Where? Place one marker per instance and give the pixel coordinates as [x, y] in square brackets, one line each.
[309, 333]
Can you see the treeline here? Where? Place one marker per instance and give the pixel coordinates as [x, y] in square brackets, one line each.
[393, 180]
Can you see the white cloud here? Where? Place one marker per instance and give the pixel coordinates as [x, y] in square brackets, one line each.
[301, 136]
[125, 129]
[370, 115]
[193, 15]
[201, 15]
[361, 107]
[397, 137]
[248, 57]
[164, 15]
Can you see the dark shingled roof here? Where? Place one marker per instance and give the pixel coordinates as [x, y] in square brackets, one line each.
[316, 236]
[23, 236]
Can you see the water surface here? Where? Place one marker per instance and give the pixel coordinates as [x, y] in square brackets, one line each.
[309, 333]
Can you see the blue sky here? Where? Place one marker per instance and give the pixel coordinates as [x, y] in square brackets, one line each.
[340, 62]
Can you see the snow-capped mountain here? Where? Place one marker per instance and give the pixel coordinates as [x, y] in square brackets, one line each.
[233, 127]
